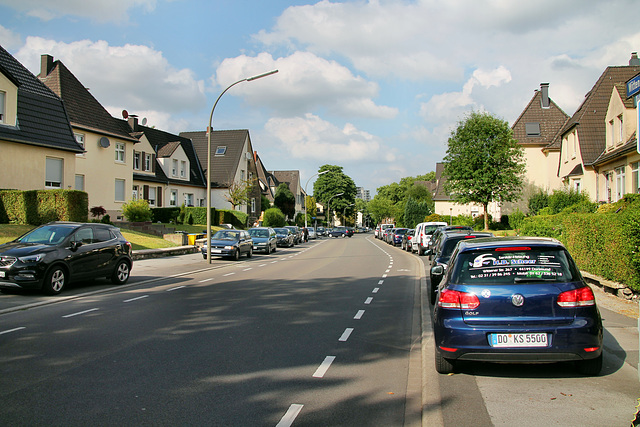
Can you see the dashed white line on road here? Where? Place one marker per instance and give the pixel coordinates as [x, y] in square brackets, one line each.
[387, 271]
[324, 367]
[290, 416]
[384, 276]
[247, 269]
[136, 298]
[368, 300]
[228, 274]
[12, 330]
[380, 282]
[176, 288]
[207, 280]
[81, 312]
[345, 335]
[375, 290]
[359, 315]
[262, 265]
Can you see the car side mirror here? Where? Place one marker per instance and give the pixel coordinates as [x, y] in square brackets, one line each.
[438, 270]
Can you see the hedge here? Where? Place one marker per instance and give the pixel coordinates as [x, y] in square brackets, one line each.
[606, 244]
[36, 207]
[197, 215]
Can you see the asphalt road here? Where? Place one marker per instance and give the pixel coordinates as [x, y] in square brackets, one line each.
[326, 333]
[322, 334]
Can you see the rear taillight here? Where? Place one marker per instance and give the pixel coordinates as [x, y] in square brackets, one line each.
[581, 297]
[456, 299]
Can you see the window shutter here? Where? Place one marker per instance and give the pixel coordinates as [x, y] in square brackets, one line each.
[153, 163]
[159, 197]
[144, 161]
[145, 192]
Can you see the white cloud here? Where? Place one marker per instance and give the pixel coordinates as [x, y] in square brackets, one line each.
[8, 39]
[97, 10]
[304, 83]
[132, 77]
[310, 137]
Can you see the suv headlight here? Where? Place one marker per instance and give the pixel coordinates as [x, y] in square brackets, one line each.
[31, 258]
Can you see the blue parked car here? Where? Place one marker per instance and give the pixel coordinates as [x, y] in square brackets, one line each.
[518, 300]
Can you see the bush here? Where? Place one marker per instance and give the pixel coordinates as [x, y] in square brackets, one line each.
[542, 226]
[165, 215]
[562, 199]
[516, 219]
[436, 218]
[137, 211]
[273, 217]
[36, 207]
[97, 211]
[581, 207]
[463, 220]
[538, 201]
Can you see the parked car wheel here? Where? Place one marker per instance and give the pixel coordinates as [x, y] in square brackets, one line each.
[250, 253]
[236, 255]
[121, 273]
[55, 280]
[443, 365]
[268, 250]
[590, 366]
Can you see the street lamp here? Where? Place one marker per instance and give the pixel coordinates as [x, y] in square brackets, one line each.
[209, 132]
[329, 210]
[344, 213]
[305, 195]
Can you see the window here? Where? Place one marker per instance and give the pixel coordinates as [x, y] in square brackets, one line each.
[574, 143]
[53, 173]
[188, 199]
[119, 190]
[2, 106]
[183, 169]
[577, 185]
[120, 152]
[635, 177]
[136, 160]
[608, 178]
[532, 129]
[152, 196]
[620, 128]
[174, 167]
[242, 174]
[80, 182]
[173, 198]
[620, 178]
[611, 135]
[221, 150]
[136, 191]
[147, 162]
[253, 205]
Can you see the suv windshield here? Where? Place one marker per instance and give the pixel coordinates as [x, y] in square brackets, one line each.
[47, 235]
[514, 265]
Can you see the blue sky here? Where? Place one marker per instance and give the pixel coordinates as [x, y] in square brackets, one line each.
[373, 86]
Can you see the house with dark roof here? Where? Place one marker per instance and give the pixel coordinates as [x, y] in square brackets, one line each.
[104, 168]
[584, 136]
[232, 164]
[537, 131]
[166, 168]
[292, 179]
[618, 166]
[267, 181]
[36, 139]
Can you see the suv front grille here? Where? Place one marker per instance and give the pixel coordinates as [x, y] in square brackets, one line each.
[7, 261]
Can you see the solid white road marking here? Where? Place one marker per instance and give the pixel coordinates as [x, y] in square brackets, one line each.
[136, 298]
[359, 315]
[324, 367]
[368, 300]
[345, 334]
[12, 330]
[81, 312]
[290, 416]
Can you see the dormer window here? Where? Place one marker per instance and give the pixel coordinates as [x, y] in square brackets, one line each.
[2, 107]
[532, 129]
[221, 150]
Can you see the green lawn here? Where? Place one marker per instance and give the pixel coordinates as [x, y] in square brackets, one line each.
[138, 240]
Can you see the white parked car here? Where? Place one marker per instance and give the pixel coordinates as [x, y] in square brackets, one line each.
[423, 234]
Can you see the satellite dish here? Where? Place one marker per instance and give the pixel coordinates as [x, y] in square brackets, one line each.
[104, 142]
[144, 121]
[125, 114]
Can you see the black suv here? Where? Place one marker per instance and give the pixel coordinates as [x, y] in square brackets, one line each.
[54, 254]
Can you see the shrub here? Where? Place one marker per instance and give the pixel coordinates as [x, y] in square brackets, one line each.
[516, 219]
[546, 211]
[273, 217]
[436, 218]
[538, 201]
[463, 220]
[561, 199]
[97, 211]
[542, 226]
[137, 211]
[581, 207]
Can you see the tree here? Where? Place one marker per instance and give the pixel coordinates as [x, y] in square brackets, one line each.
[310, 202]
[239, 192]
[484, 163]
[415, 211]
[285, 200]
[335, 182]
[264, 203]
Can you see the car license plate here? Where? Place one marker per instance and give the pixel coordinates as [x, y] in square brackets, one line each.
[518, 340]
[1, 273]
[216, 251]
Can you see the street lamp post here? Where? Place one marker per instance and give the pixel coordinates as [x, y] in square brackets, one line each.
[329, 204]
[305, 195]
[344, 213]
[209, 132]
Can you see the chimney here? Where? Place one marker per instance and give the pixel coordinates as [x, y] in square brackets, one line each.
[544, 90]
[634, 61]
[46, 65]
[133, 122]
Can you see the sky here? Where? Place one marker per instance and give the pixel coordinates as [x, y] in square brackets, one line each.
[373, 86]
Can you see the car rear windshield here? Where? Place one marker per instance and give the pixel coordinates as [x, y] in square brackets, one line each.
[429, 229]
[259, 233]
[514, 265]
